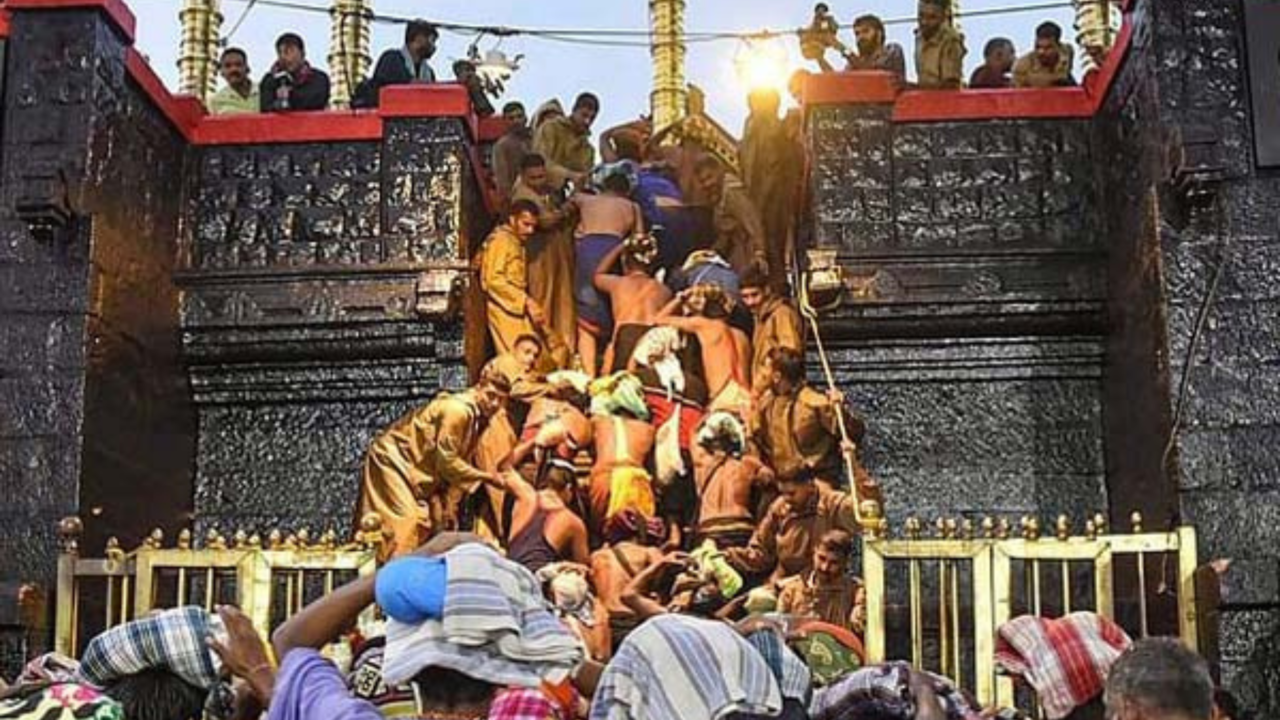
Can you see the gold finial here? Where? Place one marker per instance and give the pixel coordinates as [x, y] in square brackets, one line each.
[1062, 528]
[966, 529]
[988, 527]
[949, 528]
[70, 528]
[1135, 520]
[290, 542]
[1091, 529]
[255, 542]
[329, 540]
[1030, 527]
[304, 539]
[113, 553]
[275, 539]
[370, 534]
[871, 519]
[240, 540]
[912, 528]
[155, 540]
[1003, 528]
[1100, 522]
[215, 541]
[184, 539]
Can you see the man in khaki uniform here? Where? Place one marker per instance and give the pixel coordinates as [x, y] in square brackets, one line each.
[777, 322]
[940, 48]
[565, 141]
[504, 279]
[739, 230]
[417, 469]
[1049, 65]
[827, 592]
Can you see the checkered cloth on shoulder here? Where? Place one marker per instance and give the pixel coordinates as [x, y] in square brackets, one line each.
[1066, 659]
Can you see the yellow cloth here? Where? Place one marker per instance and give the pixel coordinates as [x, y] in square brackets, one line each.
[777, 326]
[940, 59]
[414, 461]
[566, 149]
[551, 263]
[630, 488]
[504, 280]
[1029, 73]
[228, 102]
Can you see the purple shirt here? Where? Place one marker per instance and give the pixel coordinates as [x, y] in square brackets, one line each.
[309, 687]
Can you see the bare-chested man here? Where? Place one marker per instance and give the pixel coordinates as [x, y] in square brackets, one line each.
[703, 310]
[605, 220]
[635, 296]
[614, 566]
[725, 479]
[623, 439]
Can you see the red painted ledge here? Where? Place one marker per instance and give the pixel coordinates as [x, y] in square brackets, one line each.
[294, 127]
[491, 128]
[119, 13]
[849, 87]
[4, 23]
[949, 105]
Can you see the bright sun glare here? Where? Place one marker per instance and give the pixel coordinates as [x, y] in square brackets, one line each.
[762, 64]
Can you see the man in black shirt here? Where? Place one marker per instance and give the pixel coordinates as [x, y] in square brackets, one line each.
[403, 65]
[292, 84]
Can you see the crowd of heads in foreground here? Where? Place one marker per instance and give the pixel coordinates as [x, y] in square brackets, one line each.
[468, 634]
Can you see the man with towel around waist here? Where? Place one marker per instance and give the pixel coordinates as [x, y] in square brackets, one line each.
[606, 219]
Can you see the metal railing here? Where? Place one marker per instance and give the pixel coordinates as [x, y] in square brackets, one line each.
[269, 581]
[964, 582]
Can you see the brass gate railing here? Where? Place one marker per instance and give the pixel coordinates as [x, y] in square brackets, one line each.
[268, 580]
[962, 584]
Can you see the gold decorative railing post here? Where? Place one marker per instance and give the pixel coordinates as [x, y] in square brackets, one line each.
[668, 100]
[1097, 24]
[1012, 573]
[198, 53]
[348, 48]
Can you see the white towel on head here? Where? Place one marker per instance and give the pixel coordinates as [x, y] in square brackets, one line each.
[659, 349]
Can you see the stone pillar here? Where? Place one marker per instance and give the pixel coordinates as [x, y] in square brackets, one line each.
[198, 50]
[669, 97]
[94, 418]
[348, 48]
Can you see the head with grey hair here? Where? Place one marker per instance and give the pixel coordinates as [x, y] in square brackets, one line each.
[1159, 679]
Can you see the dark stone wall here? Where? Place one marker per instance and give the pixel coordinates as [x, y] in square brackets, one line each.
[1213, 253]
[314, 312]
[93, 411]
[973, 340]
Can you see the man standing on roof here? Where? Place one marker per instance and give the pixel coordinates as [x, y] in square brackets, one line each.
[940, 48]
[292, 84]
[240, 95]
[402, 65]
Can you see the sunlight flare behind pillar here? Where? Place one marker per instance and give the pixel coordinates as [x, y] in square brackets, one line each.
[198, 53]
[349, 57]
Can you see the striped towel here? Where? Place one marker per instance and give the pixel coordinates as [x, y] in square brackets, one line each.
[677, 667]
[1066, 660]
[497, 627]
[793, 676]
